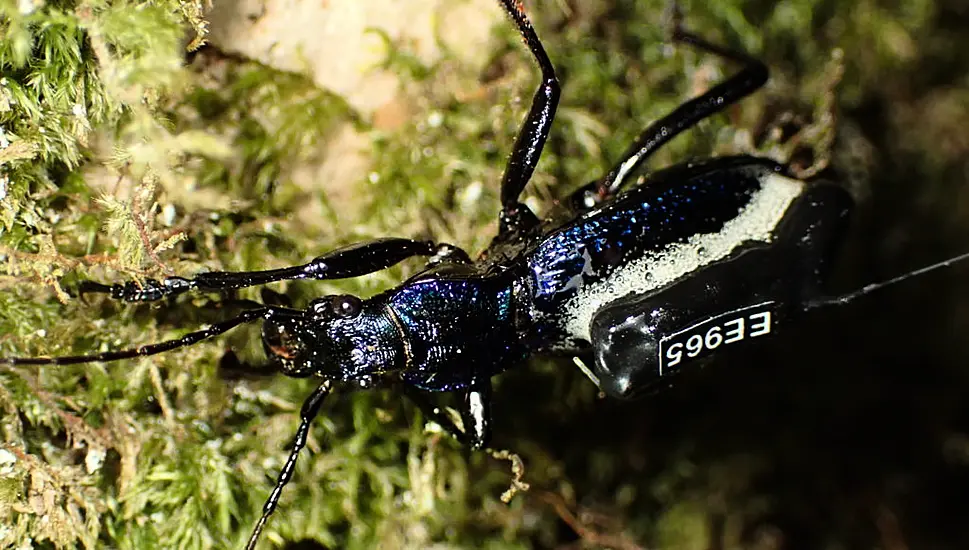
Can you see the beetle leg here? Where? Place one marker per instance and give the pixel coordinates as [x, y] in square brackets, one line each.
[751, 77]
[350, 261]
[477, 414]
[311, 407]
[515, 216]
[449, 254]
[434, 413]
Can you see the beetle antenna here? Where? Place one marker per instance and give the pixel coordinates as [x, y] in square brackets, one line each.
[189, 339]
[311, 407]
[868, 289]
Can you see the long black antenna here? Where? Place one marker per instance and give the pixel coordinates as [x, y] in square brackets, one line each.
[868, 289]
[247, 316]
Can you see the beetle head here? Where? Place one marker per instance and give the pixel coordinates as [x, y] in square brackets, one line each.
[339, 337]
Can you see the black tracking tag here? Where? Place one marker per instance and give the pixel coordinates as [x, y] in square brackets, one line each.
[705, 337]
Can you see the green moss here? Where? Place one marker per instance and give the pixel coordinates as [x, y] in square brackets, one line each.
[118, 160]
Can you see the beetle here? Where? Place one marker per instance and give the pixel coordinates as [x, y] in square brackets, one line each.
[651, 279]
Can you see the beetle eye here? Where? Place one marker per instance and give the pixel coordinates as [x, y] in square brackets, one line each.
[346, 306]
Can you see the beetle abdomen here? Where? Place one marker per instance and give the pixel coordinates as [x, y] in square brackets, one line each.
[641, 340]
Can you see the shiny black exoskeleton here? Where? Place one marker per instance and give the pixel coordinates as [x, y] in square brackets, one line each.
[648, 281]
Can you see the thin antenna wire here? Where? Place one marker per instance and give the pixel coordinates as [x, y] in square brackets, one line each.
[868, 289]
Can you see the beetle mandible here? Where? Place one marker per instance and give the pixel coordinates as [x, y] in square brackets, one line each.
[650, 279]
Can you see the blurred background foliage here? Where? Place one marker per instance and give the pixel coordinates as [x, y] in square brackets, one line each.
[130, 150]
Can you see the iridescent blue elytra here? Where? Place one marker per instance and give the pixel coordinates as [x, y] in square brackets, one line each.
[674, 205]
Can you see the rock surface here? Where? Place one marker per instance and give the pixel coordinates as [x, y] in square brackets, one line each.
[341, 43]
